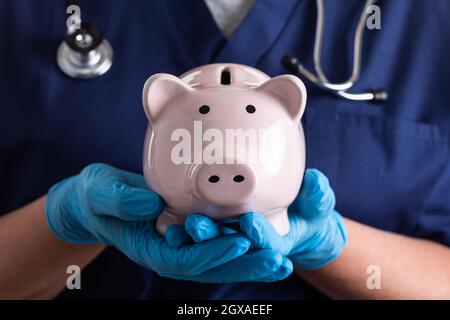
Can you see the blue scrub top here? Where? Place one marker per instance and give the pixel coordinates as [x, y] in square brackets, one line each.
[388, 164]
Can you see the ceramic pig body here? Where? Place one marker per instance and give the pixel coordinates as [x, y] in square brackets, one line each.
[223, 140]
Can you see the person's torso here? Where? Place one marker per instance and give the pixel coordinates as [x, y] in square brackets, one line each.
[388, 164]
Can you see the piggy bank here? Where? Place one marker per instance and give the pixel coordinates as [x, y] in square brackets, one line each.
[223, 140]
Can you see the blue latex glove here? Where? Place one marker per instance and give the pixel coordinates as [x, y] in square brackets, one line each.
[317, 232]
[107, 205]
[265, 265]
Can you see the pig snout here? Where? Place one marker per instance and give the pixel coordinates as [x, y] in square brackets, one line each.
[224, 185]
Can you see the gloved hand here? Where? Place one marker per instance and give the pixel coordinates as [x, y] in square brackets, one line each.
[265, 265]
[317, 232]
[107, 205]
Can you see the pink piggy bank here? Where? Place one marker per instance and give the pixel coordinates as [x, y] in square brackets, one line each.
[223, 140]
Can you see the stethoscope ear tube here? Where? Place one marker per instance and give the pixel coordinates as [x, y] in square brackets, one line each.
[291, 63]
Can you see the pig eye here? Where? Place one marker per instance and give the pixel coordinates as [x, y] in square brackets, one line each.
[214, 179]
[204, 109]
[250, 108]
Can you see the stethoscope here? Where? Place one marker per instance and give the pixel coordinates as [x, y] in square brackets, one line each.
[85, 53]
[291, 62]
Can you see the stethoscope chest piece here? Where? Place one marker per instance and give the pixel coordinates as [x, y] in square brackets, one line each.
[85, 53]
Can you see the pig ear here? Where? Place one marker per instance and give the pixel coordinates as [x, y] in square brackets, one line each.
[159, 89]
[290, 90]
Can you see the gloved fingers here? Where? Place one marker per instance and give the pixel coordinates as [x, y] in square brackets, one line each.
[197, 258]
[261, 265]
[262, 234]
[197, 228]
[176, 236]
[107, 192]
[141, 243]
[316, 197]
[283, 271]
[127, 203]
[201, 228]
[105, 172]
[132, 179]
